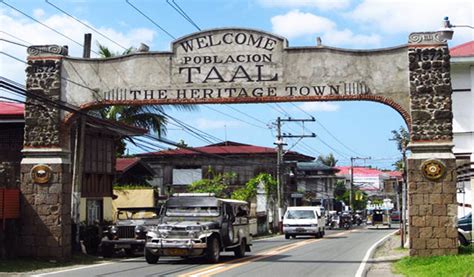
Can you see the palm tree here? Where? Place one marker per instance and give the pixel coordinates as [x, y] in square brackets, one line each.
[149, 117]
[328, 160]
[402, 138]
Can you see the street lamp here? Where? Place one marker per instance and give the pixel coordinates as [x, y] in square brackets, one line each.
[446, 32]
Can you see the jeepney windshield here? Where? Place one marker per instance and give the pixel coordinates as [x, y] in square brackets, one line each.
[192, 211]
[142, 214]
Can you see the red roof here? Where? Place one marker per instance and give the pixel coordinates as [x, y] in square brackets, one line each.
[360, 171]
[122, 164]
[463, 50]
[12, 109]
[223, 148]
[219, 148]
[396, 174]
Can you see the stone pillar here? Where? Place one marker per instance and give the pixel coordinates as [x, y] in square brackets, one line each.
[432, 165]
[45, 168]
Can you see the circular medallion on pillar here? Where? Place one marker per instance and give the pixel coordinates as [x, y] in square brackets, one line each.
[433, 170]
[41, 173]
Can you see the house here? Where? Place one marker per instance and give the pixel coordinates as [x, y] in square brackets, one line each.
[315, 183]
[175, 169]
[368, 180]
[462, 77]
[132, 171]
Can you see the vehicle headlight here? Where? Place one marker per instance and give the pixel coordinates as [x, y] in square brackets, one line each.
[286, 225]
[314, 225]
[140, 229]
[164, 228]
[113, 230]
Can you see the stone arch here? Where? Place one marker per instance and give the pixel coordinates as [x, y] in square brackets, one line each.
[249, 66]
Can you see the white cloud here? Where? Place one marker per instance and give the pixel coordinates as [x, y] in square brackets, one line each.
[38, 13]
[297, 24]
[212, 124]
[33, 33]
[395, 17]
[347, 37]
[320, 4]
[319, 107]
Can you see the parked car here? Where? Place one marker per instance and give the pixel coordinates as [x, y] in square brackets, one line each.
[129, 231]
[304, 221]
[395, 216]
[465, 229]
[199, 224]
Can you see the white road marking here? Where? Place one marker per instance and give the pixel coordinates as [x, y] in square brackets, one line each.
[203, 273]
[362, 265]
[80, 267]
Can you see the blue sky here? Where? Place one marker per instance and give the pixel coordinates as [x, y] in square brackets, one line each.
[361, 128]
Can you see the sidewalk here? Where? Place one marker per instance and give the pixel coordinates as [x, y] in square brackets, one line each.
[380, 264]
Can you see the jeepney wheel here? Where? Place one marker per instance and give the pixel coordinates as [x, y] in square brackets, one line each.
[107, 251]
[150, 257]
[213, 251]
[239, 251]
[287, 236]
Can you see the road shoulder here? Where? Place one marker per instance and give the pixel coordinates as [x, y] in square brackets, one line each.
[382, 259]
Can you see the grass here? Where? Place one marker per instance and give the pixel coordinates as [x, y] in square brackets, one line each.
[455, 265]
[25, 265]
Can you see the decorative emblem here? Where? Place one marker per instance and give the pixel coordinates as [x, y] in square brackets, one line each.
[433, 170]
[40, 173]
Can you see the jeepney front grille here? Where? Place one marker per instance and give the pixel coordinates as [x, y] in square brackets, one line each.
[300, 225]
[126, 231]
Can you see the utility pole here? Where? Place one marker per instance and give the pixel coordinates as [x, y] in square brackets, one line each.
[352, 178]
[280, 143]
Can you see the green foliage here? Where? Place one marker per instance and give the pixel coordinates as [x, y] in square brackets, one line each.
[328, 160]
[248, 192]
[150, 117]
[454, 265]
[402, 138]
[218, 184]
[359, 199]
[340, 189]
[131, 186]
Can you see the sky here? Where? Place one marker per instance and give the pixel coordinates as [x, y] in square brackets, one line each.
[346, 129]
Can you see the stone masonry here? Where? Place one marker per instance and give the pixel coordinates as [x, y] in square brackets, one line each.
[431, 201]
[45, 208]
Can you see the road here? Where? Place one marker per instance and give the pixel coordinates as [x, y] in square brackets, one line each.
[339, 253]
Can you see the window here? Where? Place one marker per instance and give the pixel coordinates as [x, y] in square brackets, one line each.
[94, 211]
[186, 176]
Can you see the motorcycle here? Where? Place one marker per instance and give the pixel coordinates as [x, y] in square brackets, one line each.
[345, 221]
[357, 219]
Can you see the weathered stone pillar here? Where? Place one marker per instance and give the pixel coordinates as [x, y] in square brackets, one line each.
[45, 168]
[431, 166]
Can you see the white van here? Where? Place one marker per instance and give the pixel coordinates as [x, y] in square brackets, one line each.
[304, 221]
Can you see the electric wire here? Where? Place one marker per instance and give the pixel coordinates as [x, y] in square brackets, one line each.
[46, 26]
[151, 20]
[85, 24]
[178, 9]
[236, 118]
[327, 131]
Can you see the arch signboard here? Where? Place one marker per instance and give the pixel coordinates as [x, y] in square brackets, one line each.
[244, 66]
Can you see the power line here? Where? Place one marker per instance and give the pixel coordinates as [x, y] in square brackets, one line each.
[327, 131]
[15, 37]
[44, 25]
[85, 24]
[151, 20]
[177, 8]
[247, 115]
[236, 118]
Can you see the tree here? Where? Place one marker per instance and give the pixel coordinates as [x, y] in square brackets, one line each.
[149, 117]
[339, 189]
[402, 138]
[328, 160]
[216, 184]
[248, 192]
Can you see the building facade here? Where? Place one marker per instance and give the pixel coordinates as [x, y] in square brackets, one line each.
[462, 74]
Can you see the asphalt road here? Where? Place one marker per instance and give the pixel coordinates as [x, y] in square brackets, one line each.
[339, 253]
